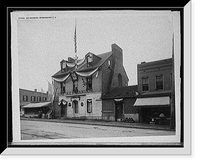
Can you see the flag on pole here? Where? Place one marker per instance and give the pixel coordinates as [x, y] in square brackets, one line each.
[50, 92]
[75, 44]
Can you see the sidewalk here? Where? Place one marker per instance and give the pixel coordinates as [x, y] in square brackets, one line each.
[104, 123]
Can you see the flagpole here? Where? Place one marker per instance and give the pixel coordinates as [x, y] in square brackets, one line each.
[172, 113]
[75, 46]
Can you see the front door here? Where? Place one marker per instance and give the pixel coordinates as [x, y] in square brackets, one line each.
[118, 111]
[62, 110]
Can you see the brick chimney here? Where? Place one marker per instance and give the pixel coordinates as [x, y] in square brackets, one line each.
[35, 90]
[117, 52]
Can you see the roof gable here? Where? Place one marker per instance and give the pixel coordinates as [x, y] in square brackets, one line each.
[101, 58]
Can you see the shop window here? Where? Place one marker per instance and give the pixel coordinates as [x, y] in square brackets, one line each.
[89, 83]
[75, 106]
[159, 82]
[145, 84]
[89, 105]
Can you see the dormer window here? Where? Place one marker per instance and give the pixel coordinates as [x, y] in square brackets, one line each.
[63, 66]
[89, 60]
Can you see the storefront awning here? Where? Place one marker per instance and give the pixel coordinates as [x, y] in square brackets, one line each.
[152, 101]
[37, 105]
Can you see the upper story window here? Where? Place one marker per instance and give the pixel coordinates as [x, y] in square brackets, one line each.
[33, 98]
[170, 80]
[38, 99]
[25, 98]
[89, 83]
[75, 86]
[74, 76]
[62, 88]
[159, 82]
[145, 84]
[75, 82]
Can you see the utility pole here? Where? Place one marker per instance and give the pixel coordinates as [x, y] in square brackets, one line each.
[172, 111]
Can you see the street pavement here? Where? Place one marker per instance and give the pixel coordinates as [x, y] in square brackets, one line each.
[35, 129]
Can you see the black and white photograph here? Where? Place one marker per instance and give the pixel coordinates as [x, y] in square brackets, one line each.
[97, 78]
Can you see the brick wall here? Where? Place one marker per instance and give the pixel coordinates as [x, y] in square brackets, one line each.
[153, 69]
[106, 72]
[108, 112]
[29, 93]
[117, 65]
[119, 70]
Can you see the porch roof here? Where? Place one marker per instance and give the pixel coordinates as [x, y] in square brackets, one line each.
[37, 105]
[152, 101]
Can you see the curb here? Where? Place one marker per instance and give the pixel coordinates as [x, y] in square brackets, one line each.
[96, 123]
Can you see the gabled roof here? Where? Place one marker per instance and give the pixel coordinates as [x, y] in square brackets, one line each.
[122, 92]
[103, 57]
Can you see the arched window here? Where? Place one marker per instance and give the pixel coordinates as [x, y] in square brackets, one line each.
[119, 80]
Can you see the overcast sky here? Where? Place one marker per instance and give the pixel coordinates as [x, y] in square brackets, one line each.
[43, 43]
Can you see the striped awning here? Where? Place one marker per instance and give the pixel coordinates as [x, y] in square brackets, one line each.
[61, 79]
[86, 74]
[37, 105]
[152, 101]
